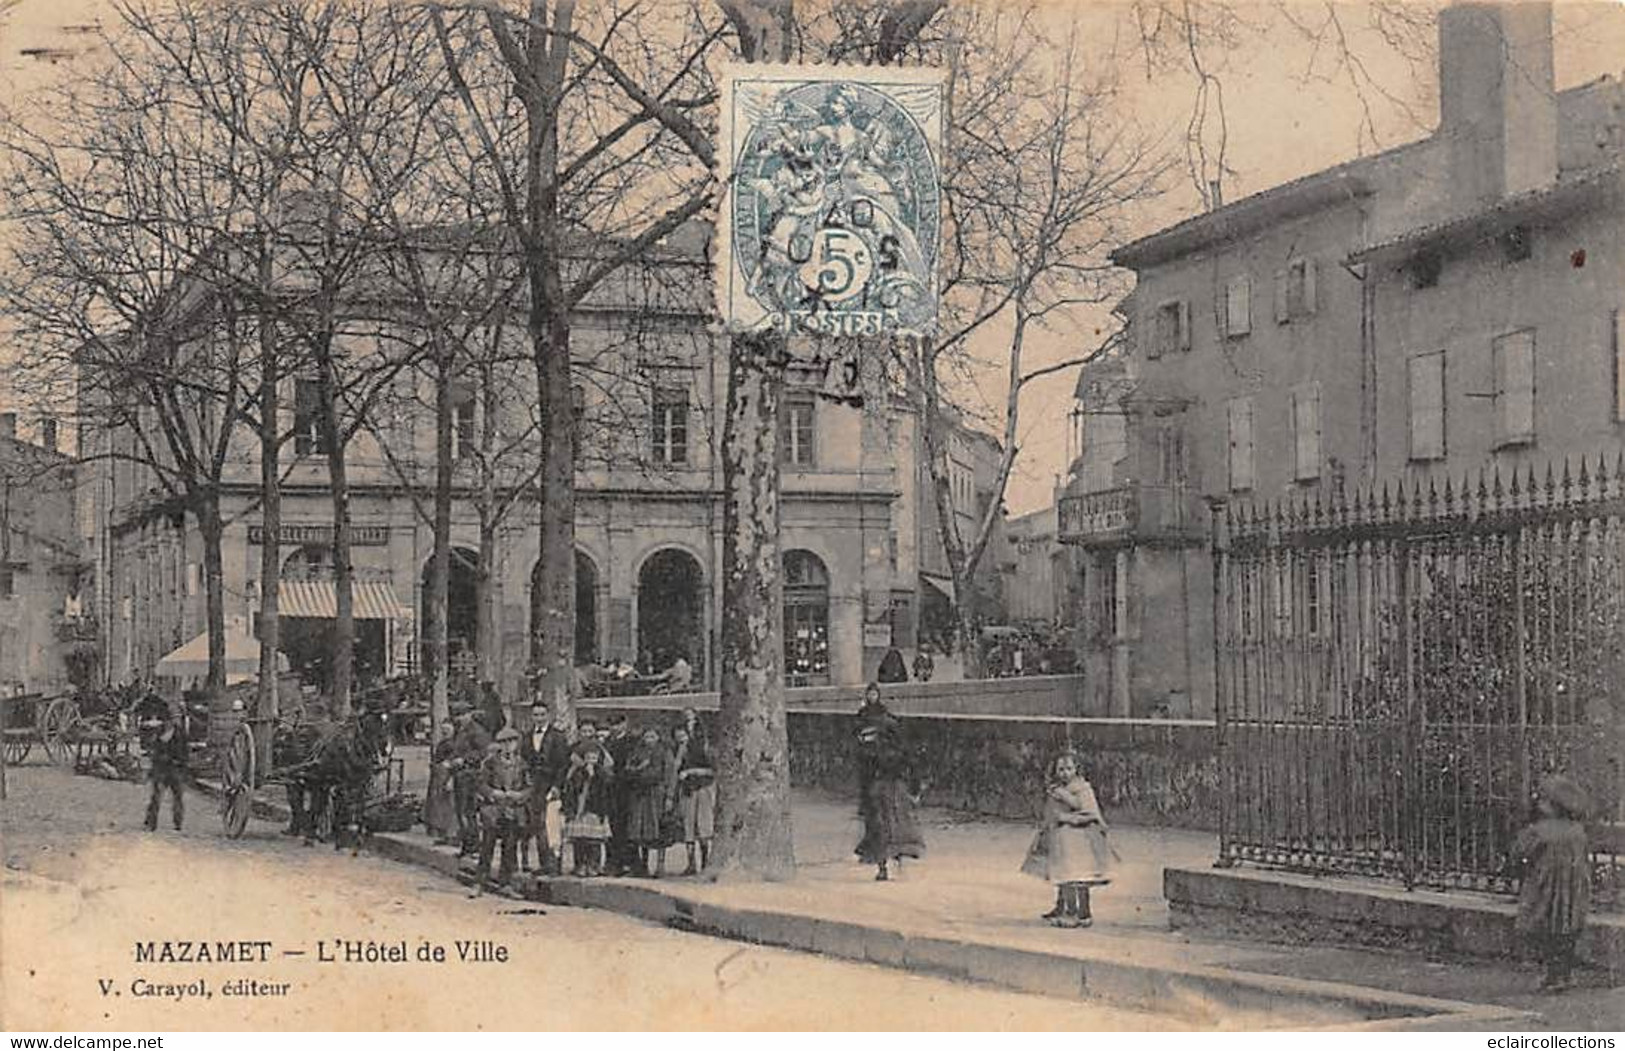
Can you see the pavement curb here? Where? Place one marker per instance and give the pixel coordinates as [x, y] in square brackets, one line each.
[1195, 992]
[1199, 992]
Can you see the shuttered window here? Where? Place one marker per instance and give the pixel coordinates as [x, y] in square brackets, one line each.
[1617, 330]
[1427, 406]
[1515, 387]
[1296, 291]
[1241, 443]
[1238, 306]
[1306, 432]
[1171, 328]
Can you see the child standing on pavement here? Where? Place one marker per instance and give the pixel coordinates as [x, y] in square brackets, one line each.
[1071, 850]
[1552, 856]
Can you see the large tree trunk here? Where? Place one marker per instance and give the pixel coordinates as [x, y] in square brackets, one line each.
[343, 652]
[490, 644]
[211, 529]
[270, 633]
[753, 753]
[270, 626]
[554, 605]
[435, 628]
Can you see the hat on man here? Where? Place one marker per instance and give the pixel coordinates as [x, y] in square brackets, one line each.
[507, 733]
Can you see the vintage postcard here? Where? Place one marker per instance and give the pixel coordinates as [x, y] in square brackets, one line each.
[1155, 563]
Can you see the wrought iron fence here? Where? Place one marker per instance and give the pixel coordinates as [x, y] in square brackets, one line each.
[1398, 668]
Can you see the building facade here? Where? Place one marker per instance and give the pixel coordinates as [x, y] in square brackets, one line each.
[1444, 308]
[46, 643]
[651, 384]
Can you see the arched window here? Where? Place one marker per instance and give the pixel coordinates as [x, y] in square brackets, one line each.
[806, 620]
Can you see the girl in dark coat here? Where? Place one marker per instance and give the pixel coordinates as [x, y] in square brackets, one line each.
[586, 798]
[886, 797]
[1555, 862]
[650, 776]
[695, 795]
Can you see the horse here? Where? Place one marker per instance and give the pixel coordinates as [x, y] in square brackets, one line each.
[329, 769]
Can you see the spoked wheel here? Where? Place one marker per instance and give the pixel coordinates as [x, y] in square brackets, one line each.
[17, 749]
[237, 781]
[60, 719]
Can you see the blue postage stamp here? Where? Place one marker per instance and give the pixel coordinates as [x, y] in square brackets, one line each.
[832, 217]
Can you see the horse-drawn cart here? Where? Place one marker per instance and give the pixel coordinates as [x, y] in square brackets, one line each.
[31, 718]
[326, 767]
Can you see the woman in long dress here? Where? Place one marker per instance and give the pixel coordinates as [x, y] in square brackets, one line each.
[695, 795]
[650, 775]
[1071, 849]
[439, 806]
[886, 794]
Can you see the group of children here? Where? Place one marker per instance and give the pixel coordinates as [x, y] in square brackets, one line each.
[623, 798]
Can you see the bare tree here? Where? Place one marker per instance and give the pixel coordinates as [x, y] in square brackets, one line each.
[604, 102]
[1043, 177]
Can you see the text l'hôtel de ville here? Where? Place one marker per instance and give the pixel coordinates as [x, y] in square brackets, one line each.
[337, 950]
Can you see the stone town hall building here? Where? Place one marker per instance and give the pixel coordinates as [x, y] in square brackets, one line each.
[1449, 306]
[651, 381]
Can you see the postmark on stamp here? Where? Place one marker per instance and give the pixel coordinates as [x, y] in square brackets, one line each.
[831, 220]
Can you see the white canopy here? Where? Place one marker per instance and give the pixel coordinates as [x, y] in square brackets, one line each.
[192, 659]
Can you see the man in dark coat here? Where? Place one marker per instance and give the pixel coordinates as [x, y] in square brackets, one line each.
[165, 726]
[892, 668]
[503, 793]
[492, 713]
[620, 745]
[469, 745]
[545, 751]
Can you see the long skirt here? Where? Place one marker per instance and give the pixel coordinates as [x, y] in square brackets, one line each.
[890, 829]
[698, 811]
[643, 816]
[439, 805]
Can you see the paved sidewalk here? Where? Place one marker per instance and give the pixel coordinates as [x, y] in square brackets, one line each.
[966, 909]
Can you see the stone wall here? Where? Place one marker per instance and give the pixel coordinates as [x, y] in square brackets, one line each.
[1146, 772]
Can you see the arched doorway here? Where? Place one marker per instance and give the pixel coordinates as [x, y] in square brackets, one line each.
[671, 619]
[806, 620]
[586, 610]
[586, 637]
[462, 609]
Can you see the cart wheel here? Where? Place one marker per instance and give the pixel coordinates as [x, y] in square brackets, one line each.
[60, 719]
[17, 750]
[237, 781]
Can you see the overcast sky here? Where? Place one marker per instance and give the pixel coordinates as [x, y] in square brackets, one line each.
[1281, 124]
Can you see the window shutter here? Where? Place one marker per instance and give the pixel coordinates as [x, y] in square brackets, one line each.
[1310, 280]
[1183, 334]
[1241, 443]
[1283, 283]
[1153, 328]
[1238, 307]
[1427, 406]
[1306, 432]
[1515, 386]
[1617, 331]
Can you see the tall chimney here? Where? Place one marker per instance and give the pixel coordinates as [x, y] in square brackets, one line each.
[8, 425]
[1497, 100]
[47, 433]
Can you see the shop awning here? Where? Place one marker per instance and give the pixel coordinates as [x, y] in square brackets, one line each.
[192, 659]
[945, 585]
[371, 600]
